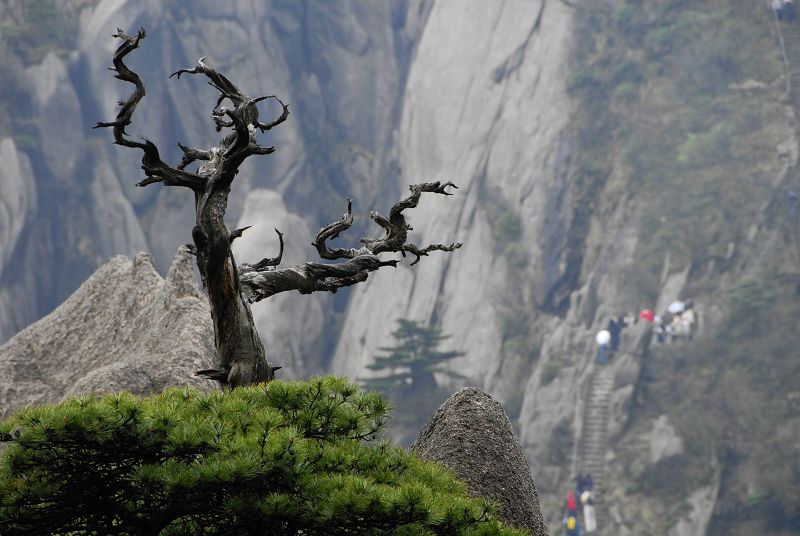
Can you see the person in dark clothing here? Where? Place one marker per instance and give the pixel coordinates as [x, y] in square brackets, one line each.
[580, 485]
[572, 525]
[789, 10]
[614, 328]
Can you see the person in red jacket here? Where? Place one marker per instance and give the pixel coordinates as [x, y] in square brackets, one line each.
[571, 507]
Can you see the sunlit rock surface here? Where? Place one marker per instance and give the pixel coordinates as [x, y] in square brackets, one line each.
[124, 329]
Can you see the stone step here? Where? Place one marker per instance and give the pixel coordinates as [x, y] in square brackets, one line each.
[594, 432]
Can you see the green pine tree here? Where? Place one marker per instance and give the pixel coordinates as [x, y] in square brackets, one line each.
[409, 375]
[412, 363]
[278, 458]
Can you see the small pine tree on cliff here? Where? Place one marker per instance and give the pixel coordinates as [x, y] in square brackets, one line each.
[409, 369]
[279, 458]
[413, 362]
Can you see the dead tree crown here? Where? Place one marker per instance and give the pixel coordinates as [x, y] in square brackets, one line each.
[241, 358]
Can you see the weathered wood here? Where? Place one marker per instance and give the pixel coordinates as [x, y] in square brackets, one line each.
[231, 288]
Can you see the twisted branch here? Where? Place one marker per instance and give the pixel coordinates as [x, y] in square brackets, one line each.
[309, 277]
[155, 168]
[259, 283]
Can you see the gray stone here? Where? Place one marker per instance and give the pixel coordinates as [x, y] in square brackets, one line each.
[17, 197]
[699, 508]
[17, 208]
[664, 441]
[472, 436]
[125, 328]
[620, 411]
[60, 112]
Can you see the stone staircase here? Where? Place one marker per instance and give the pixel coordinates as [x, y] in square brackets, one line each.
[594, 438]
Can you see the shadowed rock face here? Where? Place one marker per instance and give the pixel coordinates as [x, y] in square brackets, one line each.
[472, 436]
[125, 328]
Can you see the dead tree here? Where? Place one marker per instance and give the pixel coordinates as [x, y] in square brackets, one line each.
[231, 288]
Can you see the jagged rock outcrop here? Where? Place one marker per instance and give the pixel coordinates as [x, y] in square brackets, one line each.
[664, 440]
[472, 436]
[125, 328]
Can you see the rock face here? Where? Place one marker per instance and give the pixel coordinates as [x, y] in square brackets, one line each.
[125, 328]
[17, 207]
[664, 441]
[509, 68]
[471, 435]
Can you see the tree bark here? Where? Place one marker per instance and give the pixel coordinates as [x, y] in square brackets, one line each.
[231, 288]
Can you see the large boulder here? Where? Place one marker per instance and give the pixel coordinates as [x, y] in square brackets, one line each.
[124, 329]
[472, 436]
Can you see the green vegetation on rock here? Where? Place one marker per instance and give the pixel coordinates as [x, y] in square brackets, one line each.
[278, 458]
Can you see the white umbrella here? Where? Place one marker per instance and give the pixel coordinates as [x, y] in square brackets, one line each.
[676, 307]
[603, 337]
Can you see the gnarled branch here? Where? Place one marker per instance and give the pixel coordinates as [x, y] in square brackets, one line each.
[155, 168]
[266, 263]
[309, 277]
[190, 155]
[331, 231]
[258, 284]
[395, 226]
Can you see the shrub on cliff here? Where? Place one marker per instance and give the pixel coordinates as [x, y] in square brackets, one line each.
[279, 458]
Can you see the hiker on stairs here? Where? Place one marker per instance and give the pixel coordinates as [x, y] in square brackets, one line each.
[571, 506]
[784, 9]
[615, 329]
[603, 340]
[573, 528]
[589, 517]
[789, 10]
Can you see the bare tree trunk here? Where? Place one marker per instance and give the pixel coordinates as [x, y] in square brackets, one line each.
[231, 288]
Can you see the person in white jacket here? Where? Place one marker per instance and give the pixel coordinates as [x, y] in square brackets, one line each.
[589, 518]
[603, 339]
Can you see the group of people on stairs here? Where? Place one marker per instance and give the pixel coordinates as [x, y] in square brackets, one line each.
[678, 321]
[584, 493]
